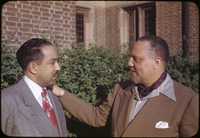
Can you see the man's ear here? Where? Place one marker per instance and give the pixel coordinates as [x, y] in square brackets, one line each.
[32, 67]
[158, 61]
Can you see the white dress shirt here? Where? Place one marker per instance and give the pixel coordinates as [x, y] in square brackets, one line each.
[36, 90]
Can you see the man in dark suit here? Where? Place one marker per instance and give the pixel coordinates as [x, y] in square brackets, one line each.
[28, 108]
[150, 105]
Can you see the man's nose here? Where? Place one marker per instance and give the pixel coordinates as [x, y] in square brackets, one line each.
[57, 66]
[130, 62]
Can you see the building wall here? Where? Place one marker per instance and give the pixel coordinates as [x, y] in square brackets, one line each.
[106, 25]
[23, 20]
[112, 29]
[169, 24]
[193, 29]
[100, 26]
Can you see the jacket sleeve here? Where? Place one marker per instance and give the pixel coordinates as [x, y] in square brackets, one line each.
[189, 124]
[6, 117]
[93, 115]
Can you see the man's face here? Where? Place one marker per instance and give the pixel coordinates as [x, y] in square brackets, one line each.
[141, 63]
[47, 70]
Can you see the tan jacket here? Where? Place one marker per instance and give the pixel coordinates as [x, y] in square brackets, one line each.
[182, 114]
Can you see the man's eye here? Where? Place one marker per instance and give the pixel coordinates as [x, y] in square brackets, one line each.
[137, 59]
[52, 62]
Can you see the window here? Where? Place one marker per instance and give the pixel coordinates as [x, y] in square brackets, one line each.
[80, 27]
[141, 20]
[149, 20]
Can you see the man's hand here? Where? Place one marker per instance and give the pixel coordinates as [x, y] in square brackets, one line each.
[57, 91]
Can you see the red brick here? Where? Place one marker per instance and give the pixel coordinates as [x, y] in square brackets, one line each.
[19, 24]
[35, 4]
[46, 6]
[27, 16]
[12, 28]
[25, 20]
[13, 19]
[8, 23]
[19, 5]
[24, 29]
[46, 14]
[24, 11]
[44, 18]
[27, 7]
[36, 22]
[9, 4]
[36, 13]
[25, 25]
[44, 10]
[11, 9]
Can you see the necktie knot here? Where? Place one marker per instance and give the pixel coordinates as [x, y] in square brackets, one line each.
[44, 93]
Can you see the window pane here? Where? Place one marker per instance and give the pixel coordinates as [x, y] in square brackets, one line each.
[80, 27]
[149, 21]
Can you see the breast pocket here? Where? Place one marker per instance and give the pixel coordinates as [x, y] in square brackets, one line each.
[166, 132]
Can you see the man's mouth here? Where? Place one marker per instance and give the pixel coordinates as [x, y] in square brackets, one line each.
[55, 75]
[132, 70]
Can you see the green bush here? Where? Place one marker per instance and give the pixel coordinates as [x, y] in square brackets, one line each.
[10, 70]
[91, 73]
[185, 71]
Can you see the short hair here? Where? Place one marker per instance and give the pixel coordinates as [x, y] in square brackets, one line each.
[159, 46]
[31, 51]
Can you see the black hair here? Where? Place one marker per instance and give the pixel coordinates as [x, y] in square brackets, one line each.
[31, 51]
[159, 46]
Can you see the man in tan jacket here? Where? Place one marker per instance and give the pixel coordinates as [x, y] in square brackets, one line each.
[150, 105]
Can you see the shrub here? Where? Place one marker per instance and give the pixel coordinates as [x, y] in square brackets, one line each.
[91, 73]
[185, 71]
[10, 70]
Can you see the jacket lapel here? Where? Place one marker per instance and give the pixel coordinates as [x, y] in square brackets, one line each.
[33, 111]
[152, 112]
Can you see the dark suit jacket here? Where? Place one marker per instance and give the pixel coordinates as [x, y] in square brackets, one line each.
[21, 114]
[182, 114]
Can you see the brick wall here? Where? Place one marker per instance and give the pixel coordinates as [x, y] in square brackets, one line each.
[23, 20]
[106, 28]
[100, 25]
[193, 29]
[112, 29]
[169, 25]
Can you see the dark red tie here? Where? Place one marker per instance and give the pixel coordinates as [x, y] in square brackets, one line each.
[46, 106]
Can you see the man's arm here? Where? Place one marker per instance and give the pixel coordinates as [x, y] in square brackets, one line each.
[86, 112]
[190, 121]
[6, 122]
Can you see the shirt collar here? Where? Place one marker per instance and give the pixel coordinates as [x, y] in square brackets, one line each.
[35, 88]
[167, 88]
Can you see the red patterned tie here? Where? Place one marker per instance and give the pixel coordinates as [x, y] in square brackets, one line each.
[46, 106]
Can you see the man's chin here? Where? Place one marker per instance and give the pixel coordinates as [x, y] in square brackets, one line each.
[135, 81]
